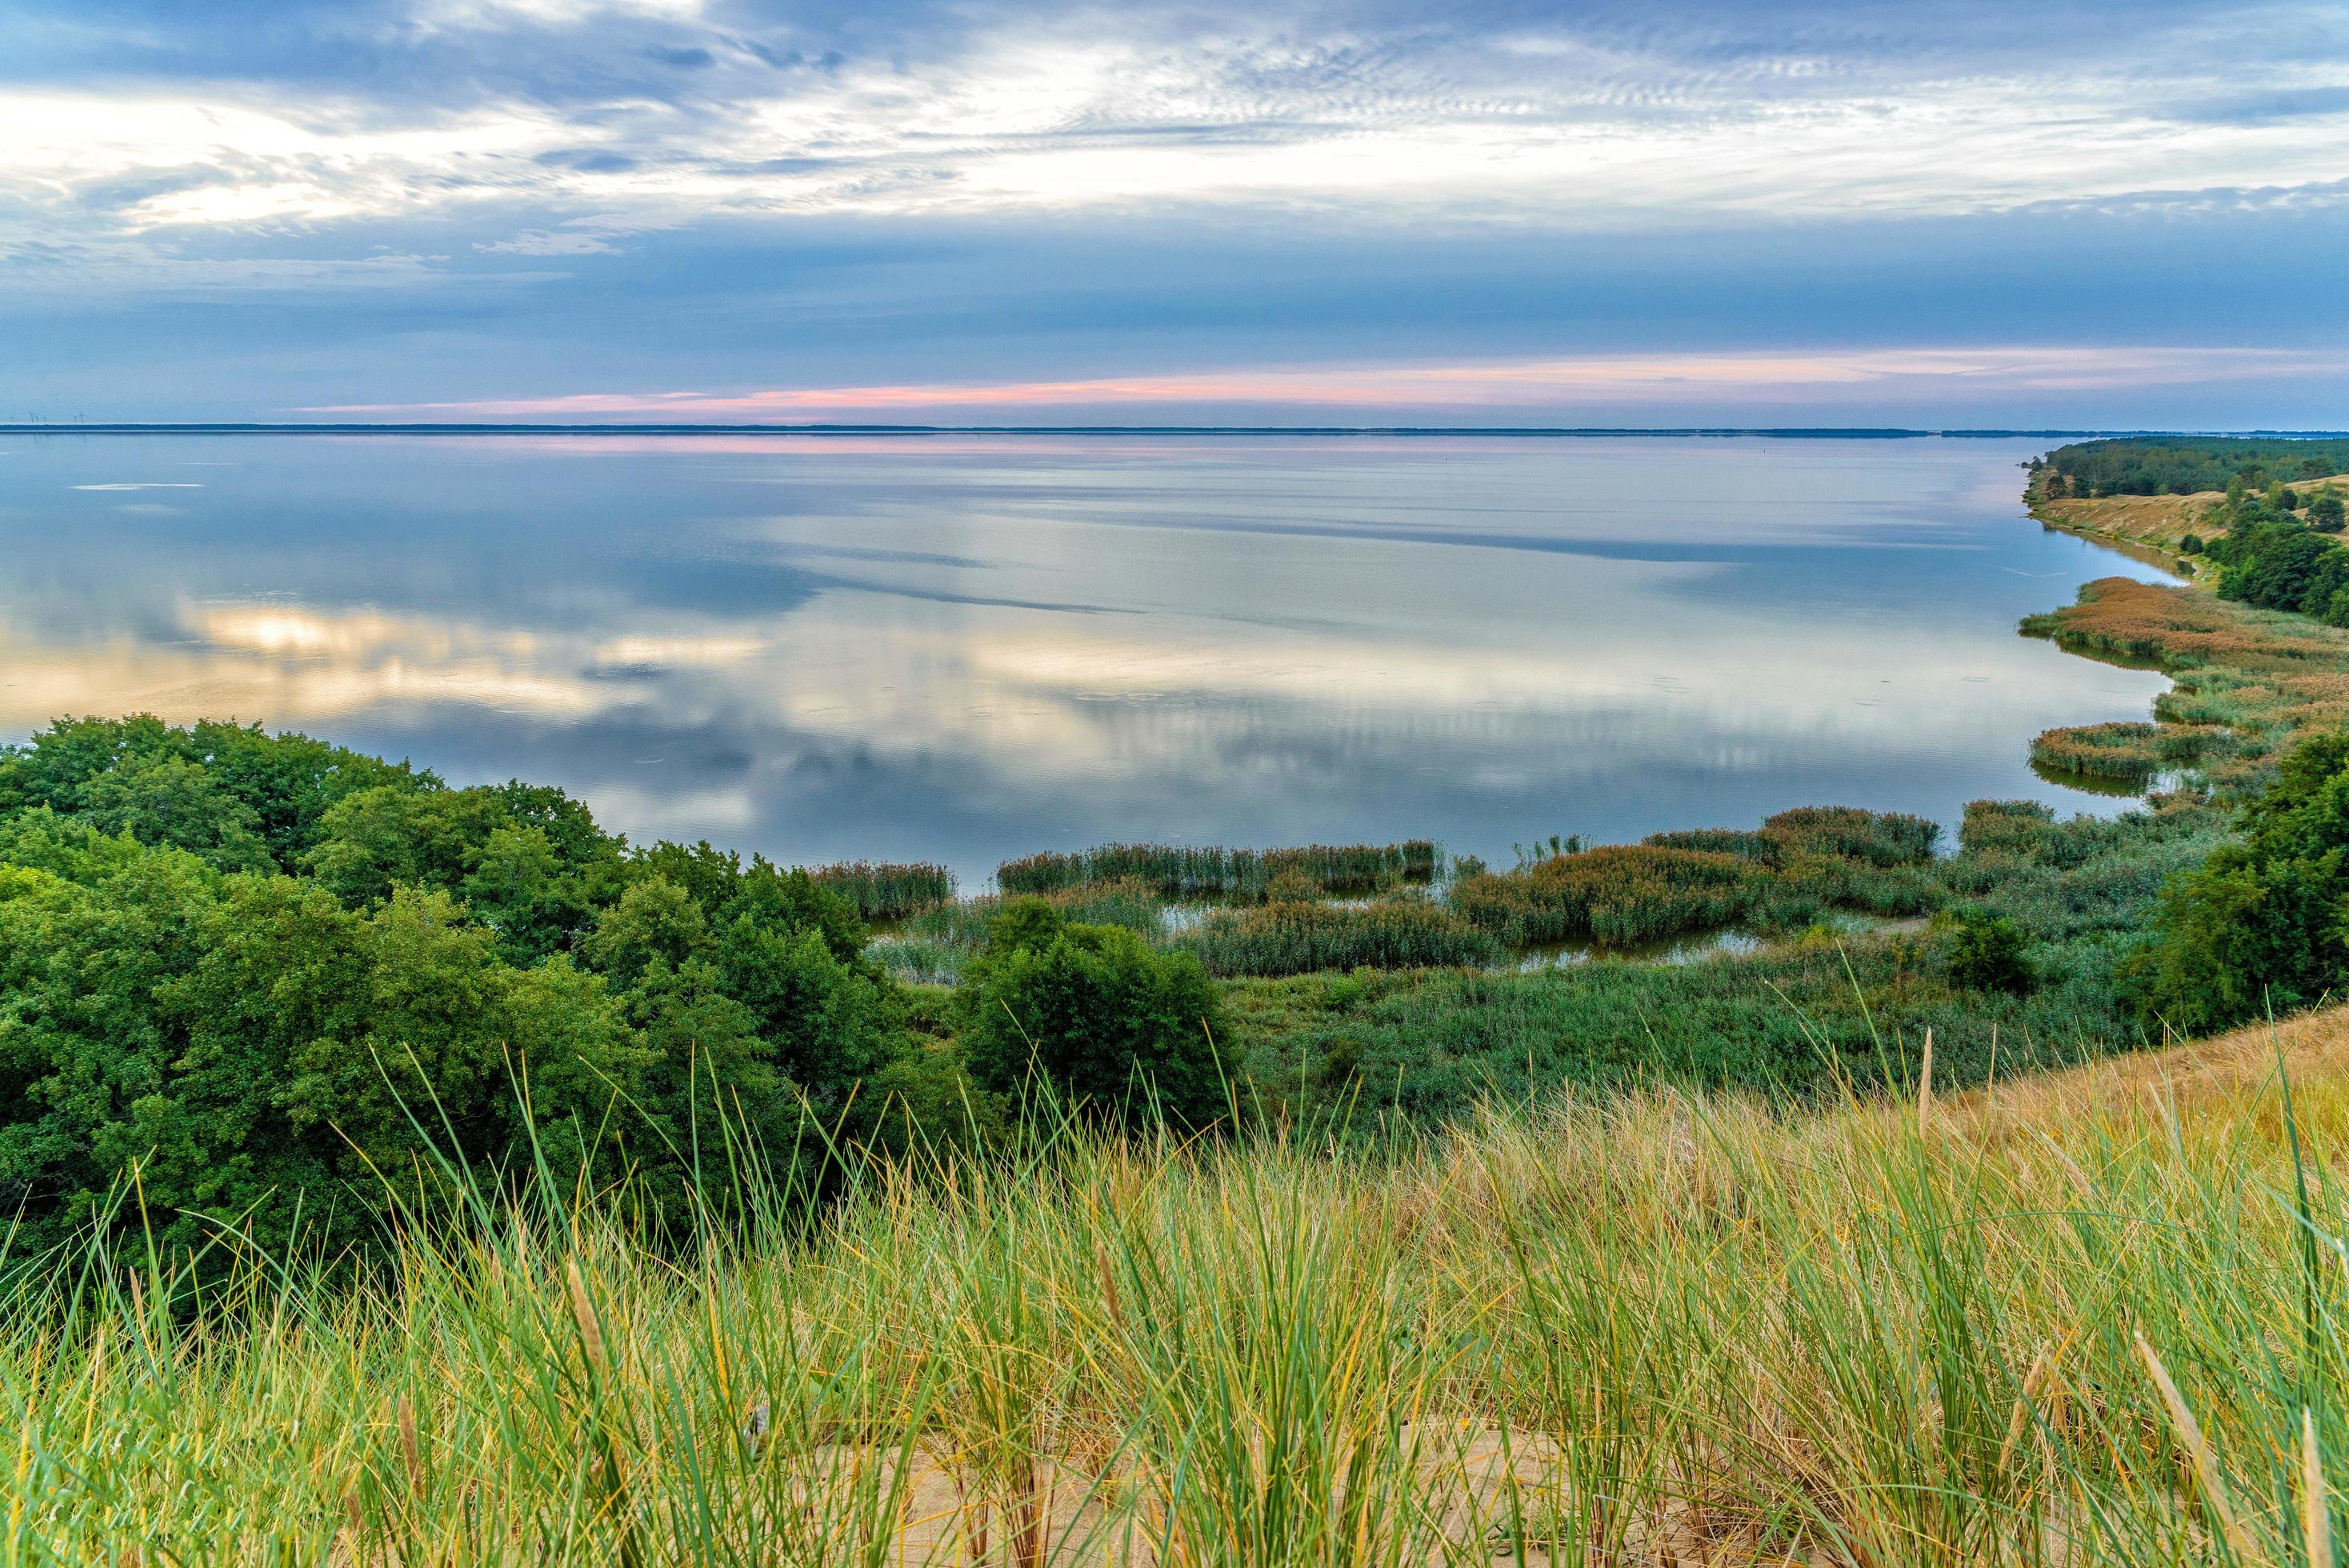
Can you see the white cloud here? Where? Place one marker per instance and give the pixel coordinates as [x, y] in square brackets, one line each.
[1545, 127]
[435, 16]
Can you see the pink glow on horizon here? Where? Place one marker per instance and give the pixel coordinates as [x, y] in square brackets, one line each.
[1521, 384]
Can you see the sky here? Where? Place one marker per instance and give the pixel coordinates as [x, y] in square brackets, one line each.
[2116, 214]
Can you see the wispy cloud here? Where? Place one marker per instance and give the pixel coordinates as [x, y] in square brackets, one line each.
[1006, 203]
[1569, 124]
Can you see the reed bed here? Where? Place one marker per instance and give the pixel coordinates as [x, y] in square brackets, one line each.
[2249, 681]
[1617, 892]
[1300, 936]
[2093, 1317]
[1798, 867]
[887, 890]
[1212, 871]
[2127, 751]
[1846, 832]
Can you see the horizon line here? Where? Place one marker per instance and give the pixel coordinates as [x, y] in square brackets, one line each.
[166, 428]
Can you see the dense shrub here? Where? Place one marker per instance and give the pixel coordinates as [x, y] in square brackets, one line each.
[1987, 954]
[2259, 925]
[1115, 1028]
[938, 943]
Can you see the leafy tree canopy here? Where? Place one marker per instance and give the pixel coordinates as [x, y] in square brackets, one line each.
[280, 979]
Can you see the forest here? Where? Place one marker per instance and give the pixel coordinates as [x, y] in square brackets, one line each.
[2181, 465]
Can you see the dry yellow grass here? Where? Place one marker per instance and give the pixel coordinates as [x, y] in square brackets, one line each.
[2158, 521]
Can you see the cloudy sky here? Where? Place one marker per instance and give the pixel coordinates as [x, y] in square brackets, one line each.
[2121, 212]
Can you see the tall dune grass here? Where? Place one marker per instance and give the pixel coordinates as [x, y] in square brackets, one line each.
[2088, 1318]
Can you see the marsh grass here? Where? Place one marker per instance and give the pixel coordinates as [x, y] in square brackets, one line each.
[2124, 751]
[1213, 872]
[1300, 936]
[1798, 867]
[2089, 1317]
[2248, 681]
[888, 892]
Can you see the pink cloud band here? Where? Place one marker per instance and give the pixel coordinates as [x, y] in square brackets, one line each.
[1514, 383]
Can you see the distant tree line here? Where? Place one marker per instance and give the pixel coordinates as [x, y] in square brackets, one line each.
[2173, 465]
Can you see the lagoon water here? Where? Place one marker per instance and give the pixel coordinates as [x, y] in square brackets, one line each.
[963, 648]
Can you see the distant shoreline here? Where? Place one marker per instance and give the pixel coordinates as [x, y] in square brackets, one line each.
[1537, 432]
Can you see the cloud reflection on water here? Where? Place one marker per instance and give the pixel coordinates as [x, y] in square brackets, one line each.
[1055, 642]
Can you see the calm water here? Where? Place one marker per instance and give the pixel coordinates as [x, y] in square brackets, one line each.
[968, 648]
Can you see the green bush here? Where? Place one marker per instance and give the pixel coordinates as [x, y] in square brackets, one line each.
[2259, 926]
[1987, 954]
[1118, 1030]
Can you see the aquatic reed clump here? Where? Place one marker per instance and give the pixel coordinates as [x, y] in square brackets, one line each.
[2131, 752]
[1213, 872]
[1297, 937]
[1846, 832]
[1798, 867]
[885, 891]
[1617, 892]
[1879, 838]
[1991, 827]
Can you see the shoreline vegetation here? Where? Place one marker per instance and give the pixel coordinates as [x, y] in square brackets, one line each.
[400, 1174]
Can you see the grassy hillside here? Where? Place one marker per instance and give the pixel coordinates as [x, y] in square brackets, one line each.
[2154, 492]
[2091, 1316]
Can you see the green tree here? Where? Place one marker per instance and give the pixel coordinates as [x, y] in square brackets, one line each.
[2263, 924]
[164, 800]
[516, 887]
[86, 1054]
[1987, 954]
[1115, 1027]
[375, 839]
